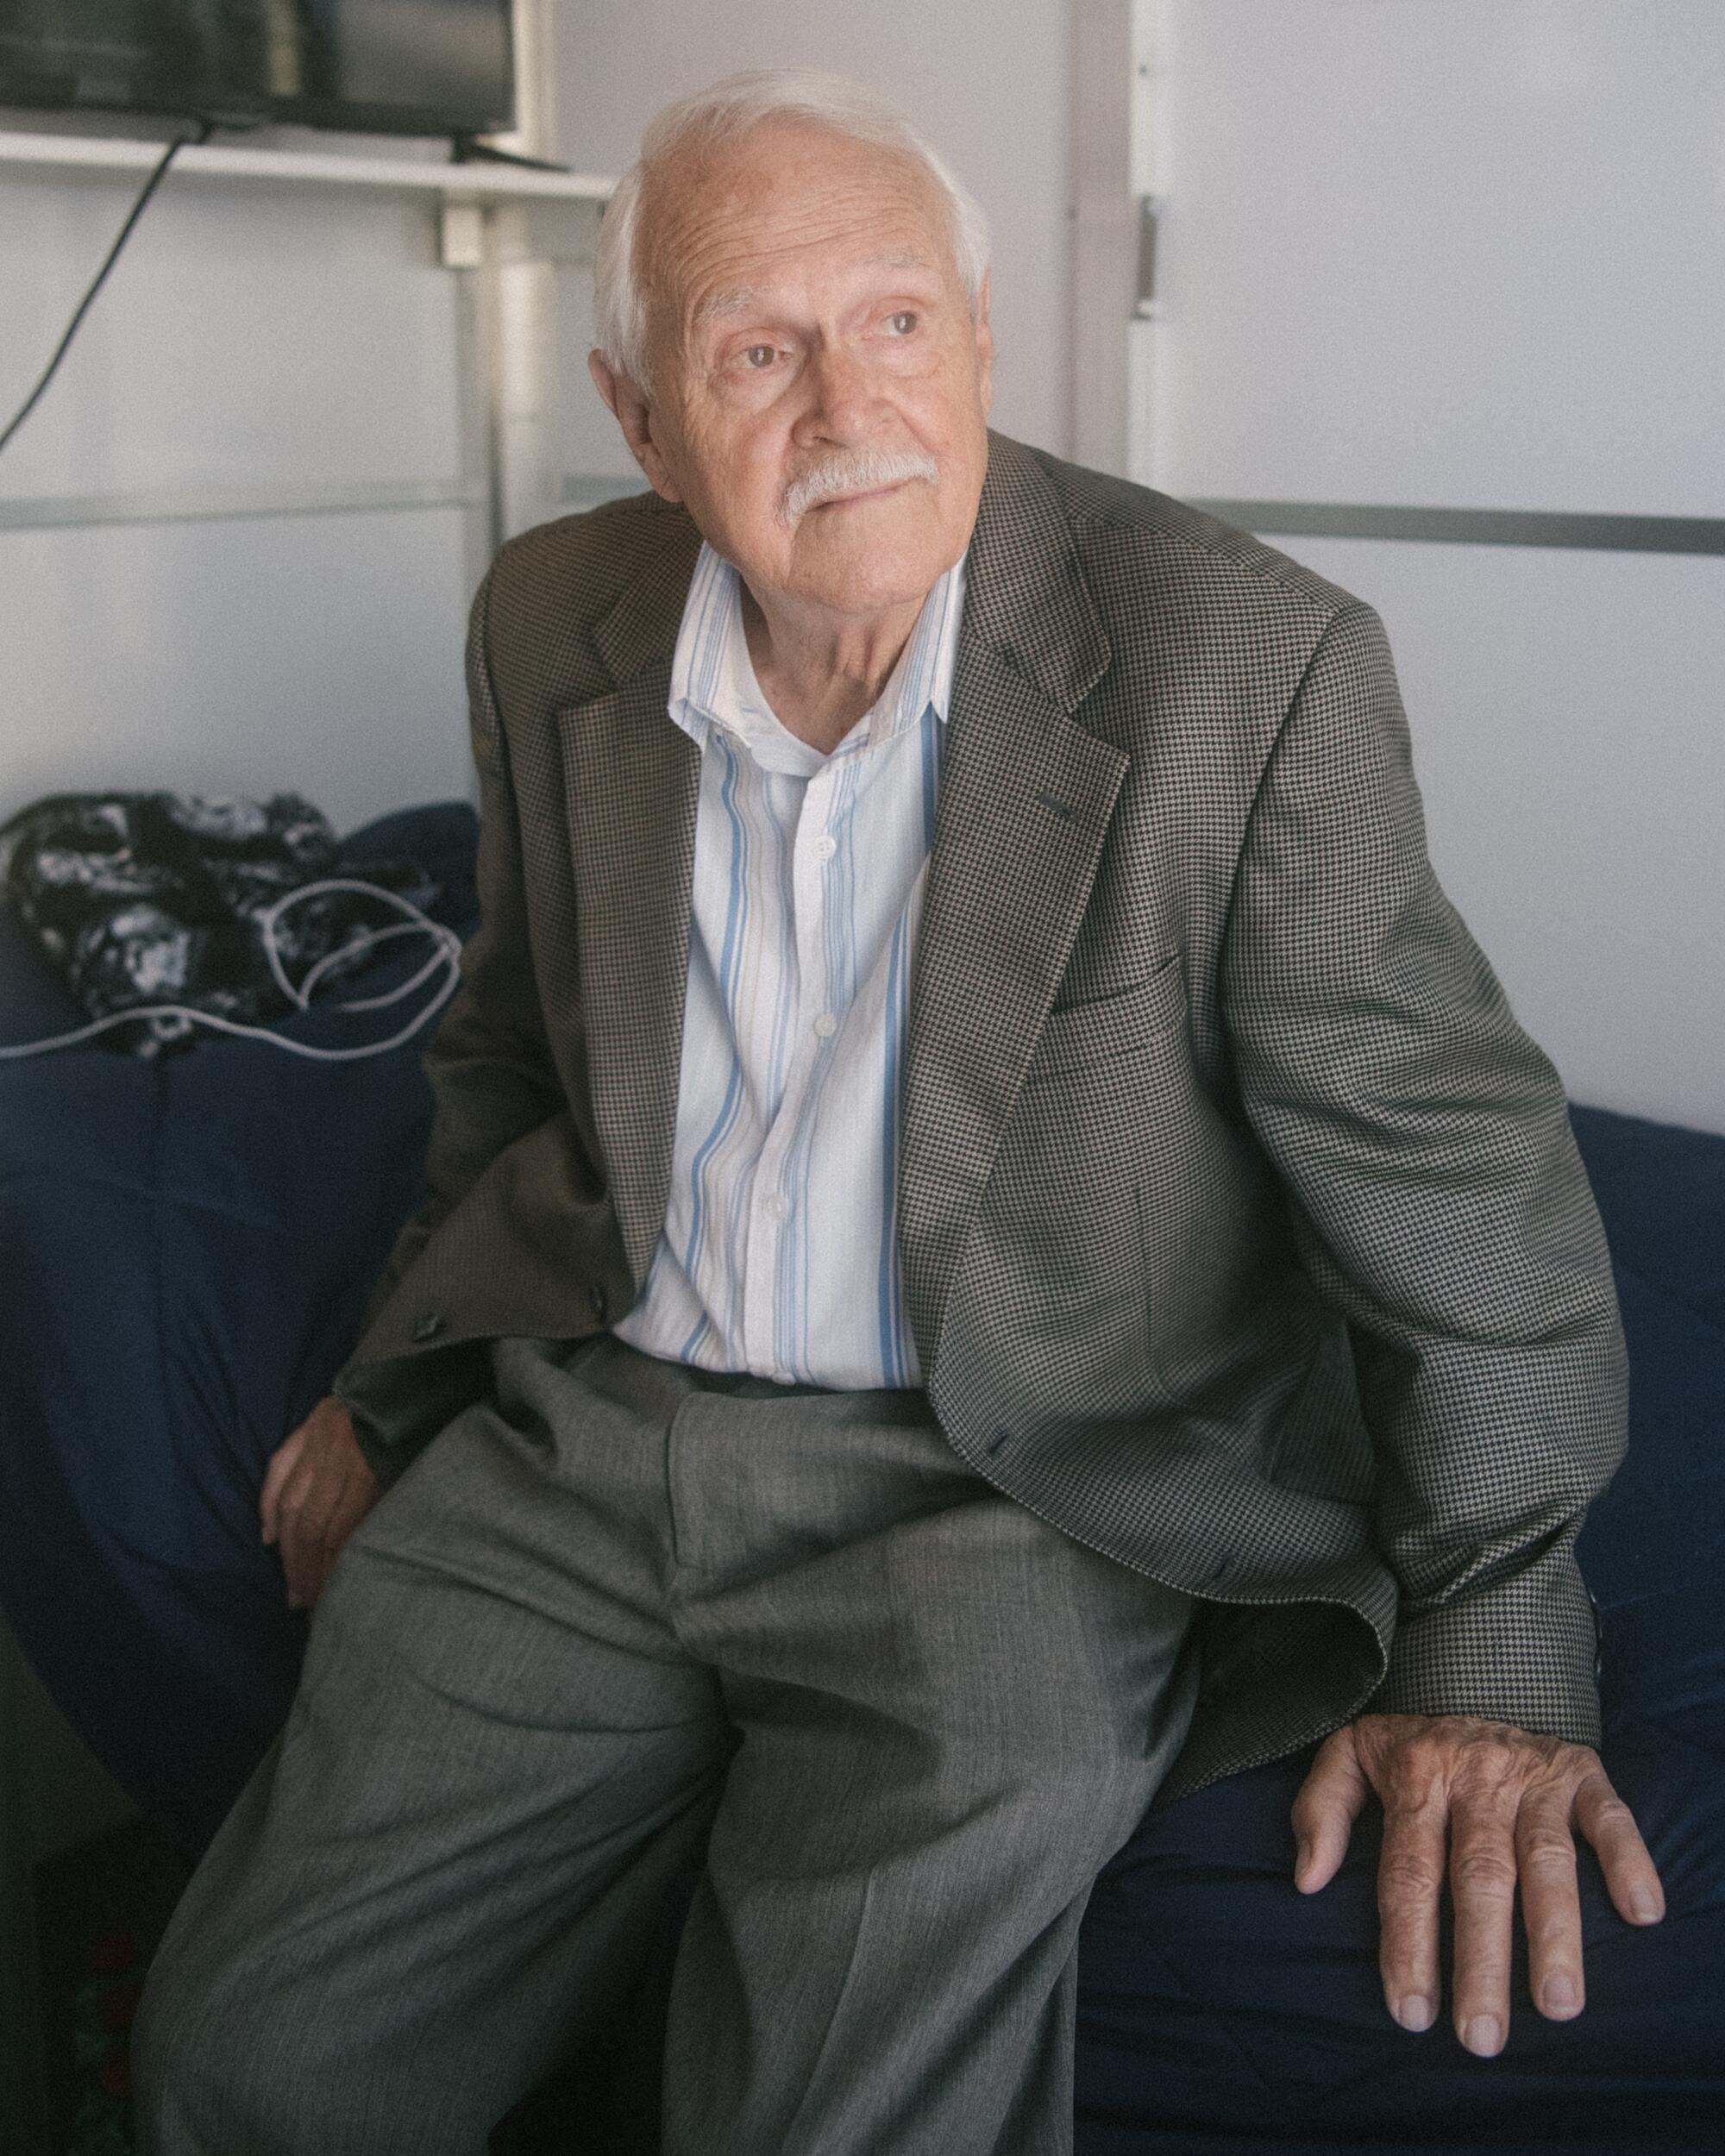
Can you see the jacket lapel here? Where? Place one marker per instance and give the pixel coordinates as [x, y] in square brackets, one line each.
[1025, 798]
[632, 780]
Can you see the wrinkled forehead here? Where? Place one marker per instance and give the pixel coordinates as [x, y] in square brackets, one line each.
[783, 202]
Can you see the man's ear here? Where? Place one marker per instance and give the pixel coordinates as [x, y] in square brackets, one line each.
[635, 416]
[985, 346]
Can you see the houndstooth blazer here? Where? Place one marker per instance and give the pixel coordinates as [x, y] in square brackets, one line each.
[1242, 1231]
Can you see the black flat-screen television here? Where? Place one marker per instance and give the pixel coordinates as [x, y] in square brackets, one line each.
[389, 67]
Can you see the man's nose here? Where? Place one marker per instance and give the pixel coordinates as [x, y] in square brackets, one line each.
[843, 400]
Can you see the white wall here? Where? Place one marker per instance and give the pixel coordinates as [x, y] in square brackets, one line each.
[301, 342]
[1567, 710]
[1469, 256]
[986, 85]
[1463, 252]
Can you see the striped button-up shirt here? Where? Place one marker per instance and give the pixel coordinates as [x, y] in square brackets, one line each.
[780, 1254]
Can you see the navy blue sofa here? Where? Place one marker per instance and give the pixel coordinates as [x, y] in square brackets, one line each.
[184, 1251]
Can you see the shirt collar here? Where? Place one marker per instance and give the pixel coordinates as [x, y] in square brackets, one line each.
[712, 679]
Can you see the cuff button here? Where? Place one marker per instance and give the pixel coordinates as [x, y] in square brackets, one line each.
[428, 1324]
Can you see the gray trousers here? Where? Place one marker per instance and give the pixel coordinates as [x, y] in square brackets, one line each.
[617, 1611]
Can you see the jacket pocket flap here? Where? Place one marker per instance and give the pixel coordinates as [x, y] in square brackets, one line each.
[1078, 1035]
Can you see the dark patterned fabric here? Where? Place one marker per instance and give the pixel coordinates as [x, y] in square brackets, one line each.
[152, 898]
[1242, 1231]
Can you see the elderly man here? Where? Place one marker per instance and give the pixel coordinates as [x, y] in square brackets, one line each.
[994, 1249]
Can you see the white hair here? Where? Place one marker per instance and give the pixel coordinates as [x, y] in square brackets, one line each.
[732, 108]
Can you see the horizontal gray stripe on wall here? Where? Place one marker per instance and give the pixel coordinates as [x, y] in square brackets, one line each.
[1473, 527]
[591, 489]
[50, 512]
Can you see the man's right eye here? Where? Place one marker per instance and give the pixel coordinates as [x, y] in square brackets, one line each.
[759, 356]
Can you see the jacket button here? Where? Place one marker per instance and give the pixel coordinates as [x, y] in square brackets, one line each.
[428, 1324]
[596, 1298]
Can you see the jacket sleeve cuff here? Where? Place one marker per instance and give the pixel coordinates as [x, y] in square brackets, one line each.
[1523, 1652]
[399, 1405]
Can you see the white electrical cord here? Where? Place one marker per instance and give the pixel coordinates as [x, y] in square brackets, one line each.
[445, 954]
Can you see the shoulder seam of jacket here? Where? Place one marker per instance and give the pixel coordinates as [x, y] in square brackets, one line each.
[1265, 571]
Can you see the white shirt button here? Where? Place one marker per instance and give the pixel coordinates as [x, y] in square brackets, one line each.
[777, 1207]
[826, 1026]
[825, 846]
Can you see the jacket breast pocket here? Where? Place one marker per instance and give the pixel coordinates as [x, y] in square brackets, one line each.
[1076, 1036]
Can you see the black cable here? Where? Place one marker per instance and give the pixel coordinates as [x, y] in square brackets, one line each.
[467, 149]
[96, 284]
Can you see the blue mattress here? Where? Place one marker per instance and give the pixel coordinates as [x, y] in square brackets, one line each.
[185, 1249]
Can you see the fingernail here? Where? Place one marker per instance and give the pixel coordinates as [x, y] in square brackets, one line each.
[1414, 2012]
[1643, 1907]
[1560, 1996]
[1482, 2037]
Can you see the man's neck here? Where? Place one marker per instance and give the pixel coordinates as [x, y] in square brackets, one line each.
[821, 673]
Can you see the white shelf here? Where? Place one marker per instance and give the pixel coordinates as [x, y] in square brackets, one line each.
[479, 184]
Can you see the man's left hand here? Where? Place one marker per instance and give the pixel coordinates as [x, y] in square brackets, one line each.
[1501, 1807]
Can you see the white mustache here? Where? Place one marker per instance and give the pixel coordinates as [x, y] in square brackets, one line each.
[852, 472]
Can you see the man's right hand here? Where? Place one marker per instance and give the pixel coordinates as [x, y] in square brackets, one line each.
[318, 1490]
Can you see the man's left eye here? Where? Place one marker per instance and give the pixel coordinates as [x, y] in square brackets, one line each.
[759, 356]
[902, 323]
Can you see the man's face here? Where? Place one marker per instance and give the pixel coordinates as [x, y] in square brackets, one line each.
[821, 386]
